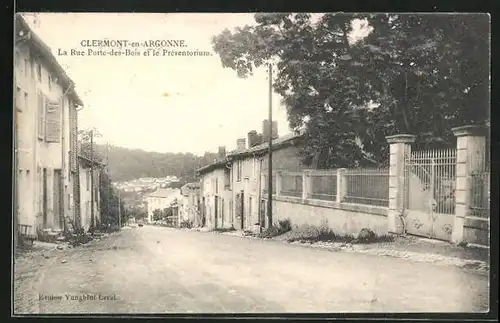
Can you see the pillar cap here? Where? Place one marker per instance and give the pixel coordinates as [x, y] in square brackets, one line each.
[470, 130]
[401, 138]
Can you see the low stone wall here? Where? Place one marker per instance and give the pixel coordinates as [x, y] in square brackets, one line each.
[342, 218]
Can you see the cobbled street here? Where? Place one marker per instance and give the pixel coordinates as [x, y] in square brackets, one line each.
[164, 270]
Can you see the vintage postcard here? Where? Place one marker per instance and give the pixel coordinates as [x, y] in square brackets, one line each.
[211, 163]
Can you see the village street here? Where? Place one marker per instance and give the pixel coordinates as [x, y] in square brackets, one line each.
[163, 270]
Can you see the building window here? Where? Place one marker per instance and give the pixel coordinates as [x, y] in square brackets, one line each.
[88, 180]
[250, 208]
[50, 83]
[41, 115]
[216, 186]
[239, 170]
[39, 72]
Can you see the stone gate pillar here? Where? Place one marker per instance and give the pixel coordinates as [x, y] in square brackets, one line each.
[400, 145]
[471, 157]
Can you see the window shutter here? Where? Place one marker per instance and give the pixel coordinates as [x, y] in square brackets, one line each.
[53, 122]
[41, 115]
[74, 137]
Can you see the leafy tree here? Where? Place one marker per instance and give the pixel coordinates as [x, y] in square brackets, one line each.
[136, 212]
[109, 202]
[127, 164]
[157, 215]
[412, 73]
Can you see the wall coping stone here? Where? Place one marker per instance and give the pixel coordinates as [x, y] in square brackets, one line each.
[353, 207]
[470, 130]
[401, 138]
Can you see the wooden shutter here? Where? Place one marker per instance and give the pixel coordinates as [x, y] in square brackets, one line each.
[74, 136]
[40, 115]
[52, 121]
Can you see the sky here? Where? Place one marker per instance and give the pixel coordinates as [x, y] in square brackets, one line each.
[208, 105]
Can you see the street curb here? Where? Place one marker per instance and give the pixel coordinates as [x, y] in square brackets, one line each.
[478, 266]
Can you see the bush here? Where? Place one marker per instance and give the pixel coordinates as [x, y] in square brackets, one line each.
[282, 227]
[225, 229]
[186, 224]
[311, 234]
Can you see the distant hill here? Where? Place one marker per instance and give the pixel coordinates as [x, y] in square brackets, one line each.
[126, 164]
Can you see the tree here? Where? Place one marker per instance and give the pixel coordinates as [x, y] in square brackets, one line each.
[412, 73]
[126, 164]
[157, 215]
[109, 202]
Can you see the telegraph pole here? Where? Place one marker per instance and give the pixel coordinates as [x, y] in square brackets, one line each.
[92, 221]
[270, 153]
[108, 199]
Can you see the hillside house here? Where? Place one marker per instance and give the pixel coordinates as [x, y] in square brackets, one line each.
[247, 166]
[216, 197]
[161, 199]
[45, 124]
[86, 191]
[189, 210]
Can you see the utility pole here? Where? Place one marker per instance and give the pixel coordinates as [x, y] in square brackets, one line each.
[92, 222]
[270, 153]
[108, 199]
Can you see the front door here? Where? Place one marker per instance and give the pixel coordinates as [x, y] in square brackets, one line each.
[242, 210]
[44, 198]
[222, 212]
[58, 198]
[430, 193]
[262, 213]
[203, 212]
[216, 210]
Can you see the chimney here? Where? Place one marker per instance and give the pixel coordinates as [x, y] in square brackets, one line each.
[253, 139]
[275, 129]
[265, 130]
[222, 152]
[241, 144]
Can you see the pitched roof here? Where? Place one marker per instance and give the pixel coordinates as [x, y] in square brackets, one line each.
[215, 165]
[88, 160]
[192, 185]
[36, 42]
[165, 192]
[262, 148]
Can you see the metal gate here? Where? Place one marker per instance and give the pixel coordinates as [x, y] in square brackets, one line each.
[429, 198]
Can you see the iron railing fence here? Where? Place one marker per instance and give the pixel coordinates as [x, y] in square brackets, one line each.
[323, 185]
[479, 189]
[291, 184]
[431, 180]
[367, 186]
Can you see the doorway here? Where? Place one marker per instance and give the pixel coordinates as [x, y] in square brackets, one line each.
[216, 210]
[222, 212]
[242, 210]
[44, 197]
[203, 212]
[58, 197]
